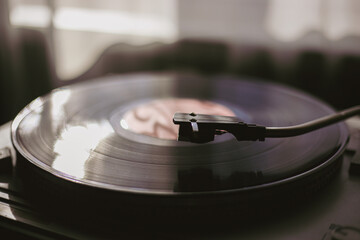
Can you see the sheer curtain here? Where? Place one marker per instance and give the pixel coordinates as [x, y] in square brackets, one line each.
[81, 30]
[289, 20]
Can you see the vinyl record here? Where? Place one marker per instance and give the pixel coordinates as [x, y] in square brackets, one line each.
[115, 135]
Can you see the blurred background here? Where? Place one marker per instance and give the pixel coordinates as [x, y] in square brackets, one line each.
[313, 45]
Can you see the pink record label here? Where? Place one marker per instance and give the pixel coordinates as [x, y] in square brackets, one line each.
[155, 118]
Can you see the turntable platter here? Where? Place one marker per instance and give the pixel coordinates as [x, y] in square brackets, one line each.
[76, 133]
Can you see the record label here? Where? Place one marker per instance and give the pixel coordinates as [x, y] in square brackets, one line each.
[155, 117]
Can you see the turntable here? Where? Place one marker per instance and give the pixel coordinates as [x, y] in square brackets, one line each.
[100, 159]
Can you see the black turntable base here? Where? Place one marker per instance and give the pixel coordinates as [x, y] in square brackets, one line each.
[100, 160]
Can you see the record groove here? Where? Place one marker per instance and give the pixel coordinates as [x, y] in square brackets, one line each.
[74, 135]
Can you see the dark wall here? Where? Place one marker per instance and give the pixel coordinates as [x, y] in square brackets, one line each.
[27, 70]
[334, 79]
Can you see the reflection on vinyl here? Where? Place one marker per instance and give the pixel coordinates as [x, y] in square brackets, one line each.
[116, 133]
